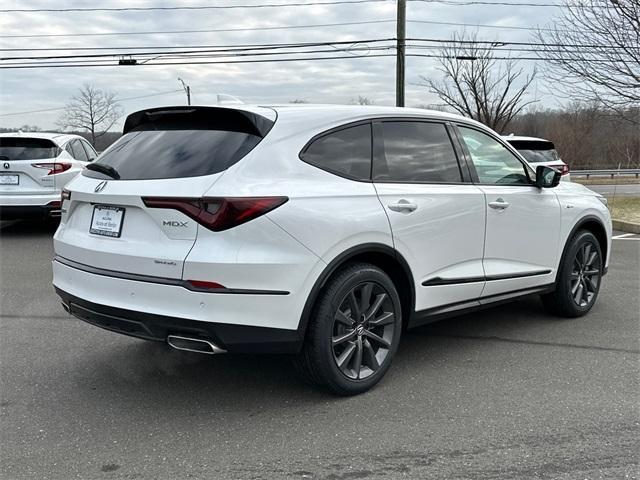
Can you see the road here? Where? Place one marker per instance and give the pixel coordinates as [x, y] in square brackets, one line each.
[508, 393]
[631, 189]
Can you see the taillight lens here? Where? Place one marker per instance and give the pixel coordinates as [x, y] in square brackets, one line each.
[564, 169]
[218, 213]
[57, 167]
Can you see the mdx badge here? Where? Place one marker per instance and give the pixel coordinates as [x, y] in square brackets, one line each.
[173, 223]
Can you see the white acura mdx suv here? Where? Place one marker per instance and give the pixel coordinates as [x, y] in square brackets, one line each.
[320, 231]
[34, 167]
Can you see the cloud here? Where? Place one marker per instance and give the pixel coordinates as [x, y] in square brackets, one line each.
[331, 81]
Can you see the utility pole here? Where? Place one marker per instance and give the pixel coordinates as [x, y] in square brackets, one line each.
[401, 24]
[187, 90]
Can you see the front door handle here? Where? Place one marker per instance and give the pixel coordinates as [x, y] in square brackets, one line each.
[499, 204]
[402, 206]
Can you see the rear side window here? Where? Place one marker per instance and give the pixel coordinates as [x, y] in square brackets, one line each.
[77, 151]
[18, 148]
[345, 152]
[174, 143]
[418, 152]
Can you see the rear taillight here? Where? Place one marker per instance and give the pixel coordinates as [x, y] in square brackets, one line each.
[564, 169]
[57, 167]
[217, 213]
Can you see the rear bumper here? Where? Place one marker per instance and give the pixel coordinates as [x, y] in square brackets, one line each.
[32, 211]
[29, 206]
[232, 338]
[237, 322]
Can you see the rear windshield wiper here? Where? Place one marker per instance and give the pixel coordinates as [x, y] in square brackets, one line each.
[106, 169]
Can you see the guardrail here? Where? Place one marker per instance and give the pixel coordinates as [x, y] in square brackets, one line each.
[606, 173]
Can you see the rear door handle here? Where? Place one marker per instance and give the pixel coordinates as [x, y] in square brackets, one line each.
[499, 204]
[402, 206]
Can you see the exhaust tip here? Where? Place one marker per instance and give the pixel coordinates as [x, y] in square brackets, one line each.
[189, 344]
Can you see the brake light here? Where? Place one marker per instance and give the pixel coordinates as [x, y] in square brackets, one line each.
[564, 169]
[57, 167]
[218, 213]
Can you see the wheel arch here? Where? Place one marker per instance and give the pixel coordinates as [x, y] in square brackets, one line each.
[383, 256]
[592, 224]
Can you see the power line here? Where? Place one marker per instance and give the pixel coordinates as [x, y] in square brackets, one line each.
[208, 49]
[172, 47]
[297, 59]
[62, 108]
[185, 7]
[353, 45]
[191, 54]
[216, 30]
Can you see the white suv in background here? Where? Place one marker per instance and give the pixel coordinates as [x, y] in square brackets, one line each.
[538, 151]
[319, 231]
[34, 167]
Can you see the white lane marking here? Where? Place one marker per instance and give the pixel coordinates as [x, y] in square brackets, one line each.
[632, 239]
[623, 235]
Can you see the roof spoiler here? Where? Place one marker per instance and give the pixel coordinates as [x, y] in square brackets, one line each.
[198, 118]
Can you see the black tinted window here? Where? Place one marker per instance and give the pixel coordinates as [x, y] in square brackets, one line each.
[346, 152]
[416, 152]
[18, 148]
[154, 154]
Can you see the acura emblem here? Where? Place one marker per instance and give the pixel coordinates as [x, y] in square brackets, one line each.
[100, 186]
[6, 166]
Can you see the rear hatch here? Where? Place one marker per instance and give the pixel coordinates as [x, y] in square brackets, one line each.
[27, 165]
[540, 152]
[168, 154]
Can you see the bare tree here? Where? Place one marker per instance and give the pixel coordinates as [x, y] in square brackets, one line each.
[93, 110]
[362, 100]
[593, 53]
[478, 85]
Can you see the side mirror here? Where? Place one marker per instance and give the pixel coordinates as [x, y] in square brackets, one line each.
[547, 177]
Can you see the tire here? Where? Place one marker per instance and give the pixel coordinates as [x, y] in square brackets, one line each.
[579, 278]
[348, 355]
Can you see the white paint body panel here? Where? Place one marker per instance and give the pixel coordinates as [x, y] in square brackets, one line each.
[453, 234]
[442, 238]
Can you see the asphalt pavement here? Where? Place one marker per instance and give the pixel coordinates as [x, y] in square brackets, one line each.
[508, 393]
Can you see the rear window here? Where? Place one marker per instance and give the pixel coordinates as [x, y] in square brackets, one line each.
[19, 148]
[536, 151]
[174, 143]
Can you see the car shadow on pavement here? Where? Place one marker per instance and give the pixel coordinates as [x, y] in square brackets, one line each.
[172, 380]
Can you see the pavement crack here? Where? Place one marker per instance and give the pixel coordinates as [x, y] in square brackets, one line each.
[534, 342]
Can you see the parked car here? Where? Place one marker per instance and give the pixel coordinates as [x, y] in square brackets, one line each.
[34, 169]
[538, 151]
[320, 231]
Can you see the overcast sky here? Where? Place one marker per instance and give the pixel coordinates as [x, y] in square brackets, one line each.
[327, 81]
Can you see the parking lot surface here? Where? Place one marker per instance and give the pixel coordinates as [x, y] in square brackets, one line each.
[505, 393]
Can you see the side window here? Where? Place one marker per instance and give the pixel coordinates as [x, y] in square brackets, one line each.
[75, 150]
[416, 152]
[346, 152]
[493, 162]
[80, 153]
[91, 153]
